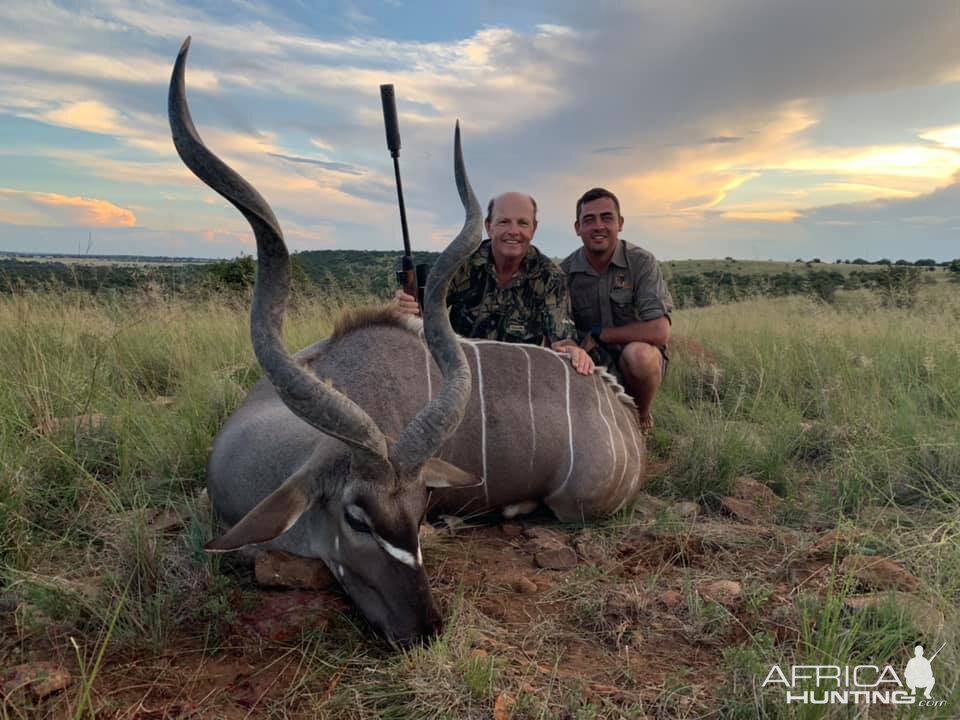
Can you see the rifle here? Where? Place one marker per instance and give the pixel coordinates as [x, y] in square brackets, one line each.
[412, 278]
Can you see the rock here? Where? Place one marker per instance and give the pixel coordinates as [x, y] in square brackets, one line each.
[649, 506]
[285, 616]
[842, 539]
[589, 548]
[742, 510]
[751, 501]
[36, 679]
[279, 569]
[523, 585]
[511, 530]
[542, 535]
[502, 706]
[559, 558]
[925, 617]
[164, 520]
[687, 509]
[746, 488]
[550, 549]
[671, 598]
[879, 573]
[590, 552]
[724, 592]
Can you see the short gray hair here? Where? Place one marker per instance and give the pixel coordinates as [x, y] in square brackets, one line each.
[489, 216]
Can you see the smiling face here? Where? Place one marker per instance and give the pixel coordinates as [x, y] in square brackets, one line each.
[511, 227]
[599, 226]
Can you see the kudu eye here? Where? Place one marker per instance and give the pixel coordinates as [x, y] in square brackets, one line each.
[356, 523]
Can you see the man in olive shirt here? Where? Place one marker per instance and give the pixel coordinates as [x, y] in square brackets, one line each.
[508, 290]
[621, 305]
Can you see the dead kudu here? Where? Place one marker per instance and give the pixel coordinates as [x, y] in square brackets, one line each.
[333, 454]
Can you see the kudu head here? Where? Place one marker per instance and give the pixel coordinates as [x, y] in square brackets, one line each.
[369, 491]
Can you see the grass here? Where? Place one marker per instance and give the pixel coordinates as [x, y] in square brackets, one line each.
[849, 412]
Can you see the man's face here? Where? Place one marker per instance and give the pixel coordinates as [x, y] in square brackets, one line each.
[599, 225]
[511, 226]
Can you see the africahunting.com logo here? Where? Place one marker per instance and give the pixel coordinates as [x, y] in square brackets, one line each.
[859, 684]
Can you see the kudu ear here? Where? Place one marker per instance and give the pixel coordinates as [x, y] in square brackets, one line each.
[438, 473]
[272, 516]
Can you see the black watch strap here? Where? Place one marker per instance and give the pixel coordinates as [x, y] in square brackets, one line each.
[595, 331]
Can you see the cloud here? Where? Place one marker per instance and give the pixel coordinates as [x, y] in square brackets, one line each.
[939, 207]
[611, 150]
[720, 140]
[948, 136]
[90, 115]
[63, 210]
[701, 120]
[325, 164]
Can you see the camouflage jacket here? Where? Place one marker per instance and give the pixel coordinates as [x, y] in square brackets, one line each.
[532, 307]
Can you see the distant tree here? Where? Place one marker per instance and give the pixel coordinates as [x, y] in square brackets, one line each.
[816, 260]
[884, 261]
[926, 262]
[236, 274]
[954, 269]
[860, 261]
[903, 262]
[898, 286]
[800, 260]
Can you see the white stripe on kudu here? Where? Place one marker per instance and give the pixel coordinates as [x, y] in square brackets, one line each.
[533, 421]
[566, 373]
[623, 441]
[613, 450]
[399, 554]
[483, 422]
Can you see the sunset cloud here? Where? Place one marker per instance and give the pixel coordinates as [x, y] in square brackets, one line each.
[58, 209]
[91, 116]
[710, 130]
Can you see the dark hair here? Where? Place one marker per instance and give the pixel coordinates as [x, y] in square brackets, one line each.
[489, 216]
[595, 194]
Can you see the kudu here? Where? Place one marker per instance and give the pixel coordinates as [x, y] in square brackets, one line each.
[332, 454]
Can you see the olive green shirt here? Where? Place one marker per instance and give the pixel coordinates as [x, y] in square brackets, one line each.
[630, 289]
[532, 307]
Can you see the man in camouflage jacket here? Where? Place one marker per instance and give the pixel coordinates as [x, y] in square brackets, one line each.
[510, 291]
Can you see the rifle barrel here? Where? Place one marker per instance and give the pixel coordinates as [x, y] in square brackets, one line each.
[392, 128]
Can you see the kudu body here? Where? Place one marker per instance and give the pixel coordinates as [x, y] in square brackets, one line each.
[332, 454]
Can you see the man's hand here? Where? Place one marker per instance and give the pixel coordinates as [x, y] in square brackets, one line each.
[579, 359]
[406, 303]
[588, 344]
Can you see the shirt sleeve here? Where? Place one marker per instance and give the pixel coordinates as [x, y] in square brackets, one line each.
[651, 298]
[557, 321]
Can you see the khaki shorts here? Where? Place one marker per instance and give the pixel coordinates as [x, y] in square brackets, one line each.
[609, 355]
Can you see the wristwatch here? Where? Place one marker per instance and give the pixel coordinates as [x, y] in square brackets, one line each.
[595, 332]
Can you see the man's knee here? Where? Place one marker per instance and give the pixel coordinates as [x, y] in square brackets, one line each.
[642, 361]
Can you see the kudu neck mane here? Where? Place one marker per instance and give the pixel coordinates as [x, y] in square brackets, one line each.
[352, 319]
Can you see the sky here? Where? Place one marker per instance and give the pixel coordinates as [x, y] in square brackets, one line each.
[757, 129]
